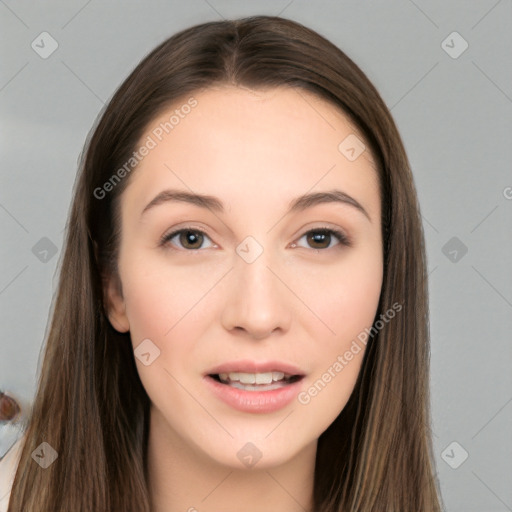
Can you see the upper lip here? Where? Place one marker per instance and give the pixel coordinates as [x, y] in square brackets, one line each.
[248, 366]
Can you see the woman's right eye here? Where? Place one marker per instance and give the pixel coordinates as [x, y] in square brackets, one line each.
[190, 239]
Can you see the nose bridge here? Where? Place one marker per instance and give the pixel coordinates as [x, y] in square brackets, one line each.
[255, 276]
[258, 302]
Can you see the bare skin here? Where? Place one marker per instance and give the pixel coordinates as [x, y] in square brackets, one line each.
[303, 300]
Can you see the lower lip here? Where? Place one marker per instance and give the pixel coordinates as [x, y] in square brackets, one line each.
[254, 401]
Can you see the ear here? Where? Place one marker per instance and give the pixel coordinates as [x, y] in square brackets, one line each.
[115, 305]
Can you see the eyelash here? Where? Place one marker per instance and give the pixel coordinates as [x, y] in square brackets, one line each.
[339, 235]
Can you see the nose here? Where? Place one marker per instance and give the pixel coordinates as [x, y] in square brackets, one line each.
[259, 302]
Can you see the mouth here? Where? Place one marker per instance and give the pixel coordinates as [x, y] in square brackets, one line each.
[255, 387]
[266, 381]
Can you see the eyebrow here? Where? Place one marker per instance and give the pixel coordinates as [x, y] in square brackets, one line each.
[298, 204]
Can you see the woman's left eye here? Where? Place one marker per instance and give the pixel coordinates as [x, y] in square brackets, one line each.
[321, 238]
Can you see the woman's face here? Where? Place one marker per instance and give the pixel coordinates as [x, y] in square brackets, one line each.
[255, 286]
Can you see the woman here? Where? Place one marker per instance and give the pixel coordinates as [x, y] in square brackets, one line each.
[241, 319]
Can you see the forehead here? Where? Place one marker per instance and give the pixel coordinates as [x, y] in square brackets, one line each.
[238, 143]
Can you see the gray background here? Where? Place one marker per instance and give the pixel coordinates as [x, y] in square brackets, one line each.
[454, 115]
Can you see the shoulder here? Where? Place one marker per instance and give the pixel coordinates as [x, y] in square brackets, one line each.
[8, 466]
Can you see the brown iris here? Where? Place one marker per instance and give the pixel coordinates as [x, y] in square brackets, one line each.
[318, 237]
[191, 239]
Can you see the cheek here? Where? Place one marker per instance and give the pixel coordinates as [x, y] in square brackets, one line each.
[164, 305]
[346, 300]
[161, 297]
[346, 297]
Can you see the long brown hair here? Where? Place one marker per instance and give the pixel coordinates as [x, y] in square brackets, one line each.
[90, 405]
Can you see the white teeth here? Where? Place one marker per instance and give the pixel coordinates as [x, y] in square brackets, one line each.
[252, 378]
[263, 378]
[277, 375]
[246, 378]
